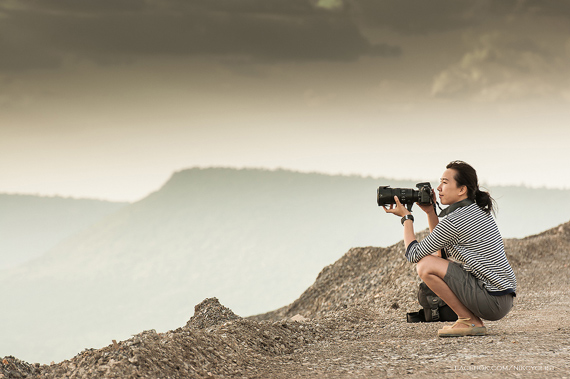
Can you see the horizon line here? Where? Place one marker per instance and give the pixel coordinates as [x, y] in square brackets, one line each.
[50, 194]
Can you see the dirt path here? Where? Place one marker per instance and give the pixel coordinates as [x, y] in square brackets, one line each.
[532, 341]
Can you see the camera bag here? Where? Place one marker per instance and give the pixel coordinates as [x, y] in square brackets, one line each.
[433, 308]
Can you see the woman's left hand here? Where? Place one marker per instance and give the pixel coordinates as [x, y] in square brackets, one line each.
[398, 209]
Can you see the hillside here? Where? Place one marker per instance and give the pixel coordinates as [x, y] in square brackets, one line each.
[253, 238]
[351, 323]
[32, 225]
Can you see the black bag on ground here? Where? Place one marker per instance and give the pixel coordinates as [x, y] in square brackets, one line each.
[433, 308]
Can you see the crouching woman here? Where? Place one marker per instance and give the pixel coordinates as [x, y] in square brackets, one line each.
[480, 283]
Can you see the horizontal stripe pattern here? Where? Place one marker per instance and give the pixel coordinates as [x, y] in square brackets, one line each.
[472, 238]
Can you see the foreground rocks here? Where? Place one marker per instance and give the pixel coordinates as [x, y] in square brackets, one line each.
[352, 324]
[214, 342]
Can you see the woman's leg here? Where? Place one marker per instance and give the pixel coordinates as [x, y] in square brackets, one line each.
[432, 270]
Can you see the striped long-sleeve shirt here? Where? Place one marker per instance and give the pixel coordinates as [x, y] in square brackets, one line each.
[471, 237]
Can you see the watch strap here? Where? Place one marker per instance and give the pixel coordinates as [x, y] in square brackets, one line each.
[407, 217]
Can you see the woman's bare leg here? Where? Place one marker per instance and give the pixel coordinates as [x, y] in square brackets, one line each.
[431, 270]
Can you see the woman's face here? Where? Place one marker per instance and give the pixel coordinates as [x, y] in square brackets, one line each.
[449, 193]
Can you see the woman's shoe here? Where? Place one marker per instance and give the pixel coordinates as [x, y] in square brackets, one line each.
[471, 330]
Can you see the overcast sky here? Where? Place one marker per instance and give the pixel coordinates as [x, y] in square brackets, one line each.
[107, 98]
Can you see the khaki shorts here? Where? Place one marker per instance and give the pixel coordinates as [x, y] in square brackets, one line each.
[472, 293]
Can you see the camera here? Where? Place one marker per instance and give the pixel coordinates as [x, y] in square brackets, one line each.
[407, 196]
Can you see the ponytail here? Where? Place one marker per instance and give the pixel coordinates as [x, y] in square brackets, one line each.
[485, 201]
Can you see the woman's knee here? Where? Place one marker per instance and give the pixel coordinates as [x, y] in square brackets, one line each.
[431, 265]
[423, 267]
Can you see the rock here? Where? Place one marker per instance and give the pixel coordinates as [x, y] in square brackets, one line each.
[209, 313]
[298, 318]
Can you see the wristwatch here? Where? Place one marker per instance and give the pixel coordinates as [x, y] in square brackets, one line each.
[407, 217]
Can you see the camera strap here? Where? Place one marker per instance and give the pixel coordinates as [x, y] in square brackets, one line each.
[440, 210]
[454, 206]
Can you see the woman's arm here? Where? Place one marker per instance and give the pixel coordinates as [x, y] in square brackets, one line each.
[399, 210]
[433, 220]
[409, 234]
[444, 234]
[433, 243]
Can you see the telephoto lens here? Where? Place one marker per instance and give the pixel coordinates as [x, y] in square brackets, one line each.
[407, 196]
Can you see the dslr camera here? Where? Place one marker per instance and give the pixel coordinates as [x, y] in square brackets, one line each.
[407, 196]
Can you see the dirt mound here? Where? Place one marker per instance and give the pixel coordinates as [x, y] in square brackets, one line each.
[215, 342]
[209, 313]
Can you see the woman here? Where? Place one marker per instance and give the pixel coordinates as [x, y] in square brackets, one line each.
[481, 283]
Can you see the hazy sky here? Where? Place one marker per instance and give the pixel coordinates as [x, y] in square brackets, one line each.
[106, 98]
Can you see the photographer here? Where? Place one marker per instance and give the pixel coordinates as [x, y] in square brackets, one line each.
[480, 284]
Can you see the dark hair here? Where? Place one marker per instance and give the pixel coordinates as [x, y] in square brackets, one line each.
[465, 175]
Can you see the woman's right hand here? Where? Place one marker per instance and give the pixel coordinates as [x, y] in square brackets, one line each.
[429, 208]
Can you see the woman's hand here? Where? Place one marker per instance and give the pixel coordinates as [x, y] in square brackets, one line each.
[398, 209]
[429, 208]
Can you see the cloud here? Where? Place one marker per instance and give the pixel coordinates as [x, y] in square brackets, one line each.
[504, 68]
[40, 34]
[445, 43]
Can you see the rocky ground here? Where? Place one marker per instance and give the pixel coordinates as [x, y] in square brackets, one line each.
[351, 324]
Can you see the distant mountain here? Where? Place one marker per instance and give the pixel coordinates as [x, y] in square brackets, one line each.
[253, 238]
[32, 225]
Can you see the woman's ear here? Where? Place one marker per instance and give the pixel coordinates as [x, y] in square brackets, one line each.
[463, 190]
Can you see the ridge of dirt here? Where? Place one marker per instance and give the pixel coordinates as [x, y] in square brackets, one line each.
[352, 325]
